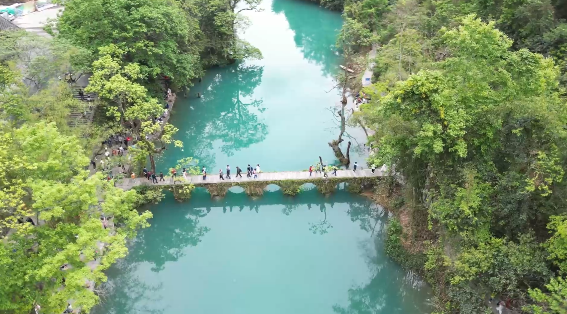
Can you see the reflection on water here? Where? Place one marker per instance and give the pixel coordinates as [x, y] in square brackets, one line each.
[315, 31]
[227, 112]
[188, 234]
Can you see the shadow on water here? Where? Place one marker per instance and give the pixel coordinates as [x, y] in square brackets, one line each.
[315, 31]
[225, 115]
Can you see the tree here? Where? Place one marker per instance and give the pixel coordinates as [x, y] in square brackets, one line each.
[155, 34]
[129, 104]
[43, 181]
[41, 59]
[482, 151]
[219, 22]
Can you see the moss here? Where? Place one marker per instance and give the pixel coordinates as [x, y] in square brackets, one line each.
[182, 192]
[396, 250]
[291, 188]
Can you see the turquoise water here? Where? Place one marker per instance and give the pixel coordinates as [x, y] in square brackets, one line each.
[308, 254]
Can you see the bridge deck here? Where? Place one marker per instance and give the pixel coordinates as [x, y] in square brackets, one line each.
[262, 177]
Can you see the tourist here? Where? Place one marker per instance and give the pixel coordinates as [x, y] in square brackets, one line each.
[373, 168]
[106, 152]
[184, 173]
[198, 95]
[500, 306]
[121, 150]
[255, 174]
[355, 165]
[325, 171]
[335, 168]
[310, 170]
[249, 171]
[204, 174]
[133, 176]
[126, 141]
[220, 174]
[173, 174]
[257, 169]
[154, 178]
[227, 171]
[69, 309]
[145, 171]
[238, 172]
[93, 163]
[161, 176]
[318, 167]
[102, 164]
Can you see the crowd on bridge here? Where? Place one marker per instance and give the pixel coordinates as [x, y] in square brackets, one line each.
[251, 172]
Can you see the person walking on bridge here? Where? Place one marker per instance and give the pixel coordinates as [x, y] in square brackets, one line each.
[257, 170]
[354, 167]
[204, 173]
[161, 176]
[173, 174]
[310, 170]
[220, 175]
[227, 171]
[335, 168]
[238, 172]
[249, 171]
[154, 179]
[325, 169]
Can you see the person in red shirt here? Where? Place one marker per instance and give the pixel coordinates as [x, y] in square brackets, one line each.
[310, 170]
[173, 174]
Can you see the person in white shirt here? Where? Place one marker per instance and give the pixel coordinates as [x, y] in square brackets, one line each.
[257, 169]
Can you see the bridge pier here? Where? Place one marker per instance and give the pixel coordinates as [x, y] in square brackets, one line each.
[255, 188]
[218, 190]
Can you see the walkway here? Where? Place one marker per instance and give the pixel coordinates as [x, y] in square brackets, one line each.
[128, 184]
[367, 76]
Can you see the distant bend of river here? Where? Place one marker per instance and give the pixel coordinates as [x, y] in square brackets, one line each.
[308, 254]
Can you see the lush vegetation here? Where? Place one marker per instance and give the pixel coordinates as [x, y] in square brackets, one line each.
[468, 106]
[61, 224]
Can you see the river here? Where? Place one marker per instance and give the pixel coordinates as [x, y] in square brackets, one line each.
[307, 254]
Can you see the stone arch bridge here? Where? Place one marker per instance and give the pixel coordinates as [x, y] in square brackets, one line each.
[290, 182]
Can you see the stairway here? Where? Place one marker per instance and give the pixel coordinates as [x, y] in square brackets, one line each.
[82, 116]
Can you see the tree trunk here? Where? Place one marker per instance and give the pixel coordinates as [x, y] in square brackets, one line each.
[339, 154]
[152, 162]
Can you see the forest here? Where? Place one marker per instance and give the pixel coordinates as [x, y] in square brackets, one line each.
[469, 112]
[63, 224]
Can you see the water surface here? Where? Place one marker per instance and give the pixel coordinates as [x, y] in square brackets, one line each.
[308, 254]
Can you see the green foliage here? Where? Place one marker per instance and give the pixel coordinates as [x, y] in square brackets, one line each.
[553, 301]
[153, 33]
[42, 59]
[395, 249]
[165, 38]
[476, 129]
[42, 178]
